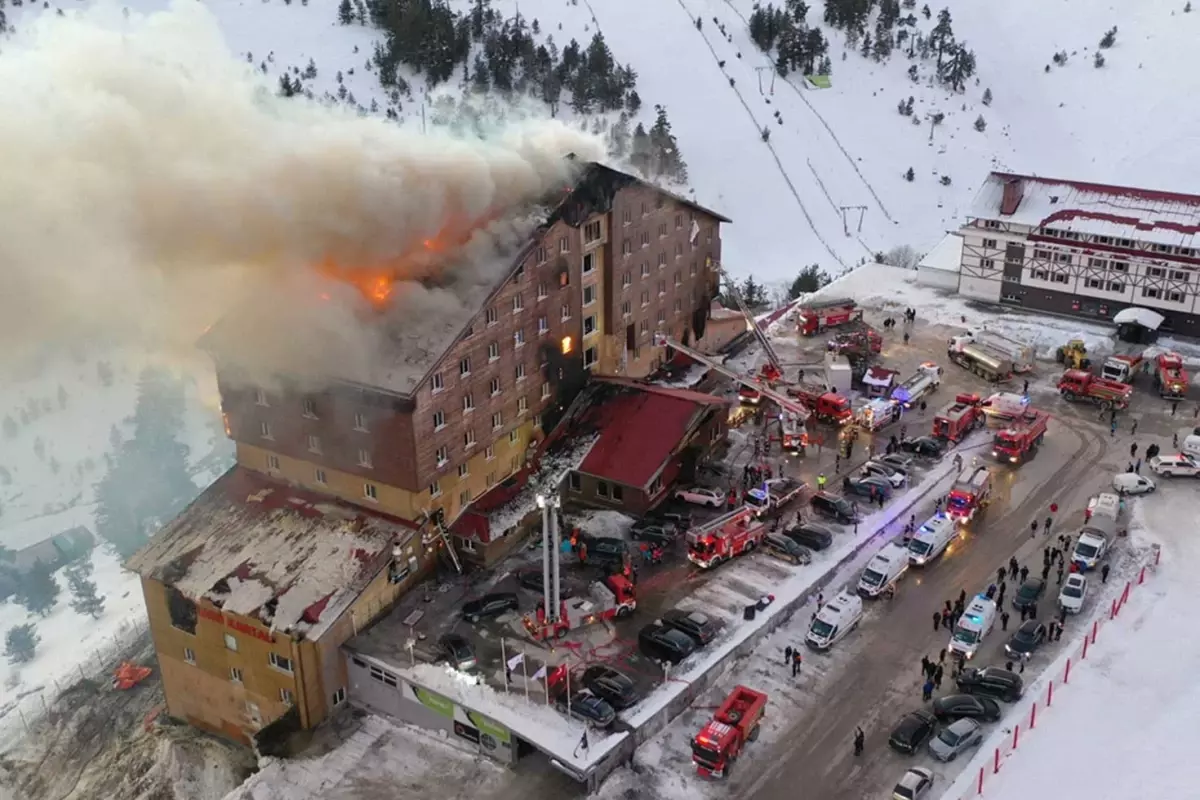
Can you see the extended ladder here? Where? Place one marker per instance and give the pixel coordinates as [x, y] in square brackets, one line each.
[759, 333]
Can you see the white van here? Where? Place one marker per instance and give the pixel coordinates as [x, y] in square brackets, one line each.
[975, 623]
[1106, 504]
[1191, 446]
[931, 539]
[839, 616]
[883, 570]
[1132, 483]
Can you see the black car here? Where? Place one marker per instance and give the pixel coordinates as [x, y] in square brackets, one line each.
[960, 706]
[588, 708]
[603, 551]
[660, 643]
[654, 534]
[672, 521]
[833, 507]
[490, 605]
[456, 651]
[867, 486]
[912, 731]
[992, 682]
[1030, 592]
[612, 686]
[1026, 639]
[699, 626]
[922, 447]
[532, 579]
[810, 535]
[786, 549]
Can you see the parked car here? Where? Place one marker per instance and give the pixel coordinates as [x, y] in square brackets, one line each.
[702, 496]
[913, 784]
[699, 626]
[1180, 465]
[923, 447]
[895, 476]
[532, 579]
[811, 535]
[786, 548]
[1029, 593]
[610, 685]
[1025, 639]
[834, 507]
[1089, 549]
[867, 486]
[652, 533]
[1073, 593]
[897, 460]
[660, 643]
[589, 708]
[1132, 483]
[490, 605]
[456, 651]
[912, 731]
[966, 706]
[992, 682]
[959, 737]
[671, 520]
[603, 551]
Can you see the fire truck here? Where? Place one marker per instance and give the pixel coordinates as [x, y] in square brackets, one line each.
[815, 316]
[956, 420]
[1081, 386]
[1170, 378]
[828, 406]
[1020, 440]
[720, 741]
[1006, 405]
[731, 535]
[773, 495]
[612, 597]
[918, 385]
[863, 342]
[1121, 368]
[878, 414]
[972, 492]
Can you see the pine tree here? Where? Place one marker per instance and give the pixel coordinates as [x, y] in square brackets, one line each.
[20, 644]
[958, 68]
[346, 12]
[666, 159]
[84, 599]
[619, 136]
[980, 123]
[910, 175]
[987, 97]
[1098, 60]
[941, 38]
[633, 101]
[810, 279]
[38, 591]
[1110, 38]
[866, 45]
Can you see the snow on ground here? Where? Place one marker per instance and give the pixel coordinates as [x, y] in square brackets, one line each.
[612, 524]
[1135, 695]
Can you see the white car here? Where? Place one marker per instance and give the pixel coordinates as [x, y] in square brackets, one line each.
[913, 785]
[1132, 483]
[1090, 548]
[893, 475]
[1073, 593]
[1170, 466]
[701, 496]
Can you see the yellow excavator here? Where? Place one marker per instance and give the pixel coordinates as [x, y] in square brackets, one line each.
[1073, 355]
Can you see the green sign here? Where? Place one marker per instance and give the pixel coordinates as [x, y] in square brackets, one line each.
[479, 721]
[440, 704]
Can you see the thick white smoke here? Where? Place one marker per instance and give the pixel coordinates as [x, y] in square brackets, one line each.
[151, 179]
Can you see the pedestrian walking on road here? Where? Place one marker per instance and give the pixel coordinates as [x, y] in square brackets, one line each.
[1000, 575]
[1112, 428]
[1024, 613]
[906, 337]
[1137, 468]
[1004, 620]
[925, 665]
[922, 408]
[1060, 574]
[927, 691]
[1133, 428]
[1024, 573]
[937, 676]
[942, 656]
[1058, 631]
[1033, 529]
[1033, 611]
[859, 740]
[787, 655]
[796, 662]
[1047, 526]
[1013, 566]
[1104, 574]
[1008, 665]
[1000, 594]
[1133, 450]
[937, 621]
[1175, 441]
[1174, 406]
[1045, 572]
[962, 598]
[1025, 389]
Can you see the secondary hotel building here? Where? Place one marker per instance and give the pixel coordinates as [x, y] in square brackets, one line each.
[1083, 249]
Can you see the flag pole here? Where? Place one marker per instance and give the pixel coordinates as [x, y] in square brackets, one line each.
[525, 672]
[567, 667]
[504, 662]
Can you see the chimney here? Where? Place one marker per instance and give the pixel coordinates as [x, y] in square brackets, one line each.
[1014, 190]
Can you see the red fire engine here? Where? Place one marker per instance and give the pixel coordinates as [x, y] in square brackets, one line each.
[720, 742]
[1020, 440]
[959, 418]
[817, 315]
[863, 342]
[828, 406]
[612, 597]
[972, 491]
[1078, 385]
[1170, 378]
[731, 535]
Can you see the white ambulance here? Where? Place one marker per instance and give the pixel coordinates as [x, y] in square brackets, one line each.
[837, 618]
[931, 539]
[975, 623]
[883, 570]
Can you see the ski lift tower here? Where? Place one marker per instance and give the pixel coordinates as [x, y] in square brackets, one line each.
[551, 546]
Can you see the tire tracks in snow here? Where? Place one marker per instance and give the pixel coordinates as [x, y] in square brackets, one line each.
[829, 129]
[758, 126]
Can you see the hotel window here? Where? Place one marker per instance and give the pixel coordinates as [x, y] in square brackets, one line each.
[493, 351]
[589, 295]
[360, 421]
[464, 470]
[264, 428]
[469, 439]
[564, 245]
[435, 489]
[285, 696]
[464, 366]
[439, 420]
[645, 297]
[541, 255]
[1094, 283]
[489, 453]
[662, 260]
[542, 291]
[575, 482]
[1043, 254]
[281, 663]
[364, 458]
[309, 408]
[522, 404]
[272, 461]
[1062, 258]
[442, 456]
[519, 337]
[1175, 297]
[645, 270]
[1097, 263]
[260, 397]
[626, 308]
[468, 402]
[1119, 266]
[566, 312]
[991, 223]
[464, 497]
[626, 279]
[1151, 292]
[497, 420]
[589, 358]
[494, 386]
[987, 263]
[589, 263]
[320, 477]
[518, 303]
[235, 675]
[543, 325]
[491, 316]
[1116, 287]
[189, 655]
[626, 217]
[545, 389]
[1179, 275]
[520, 372]
[589, 325]
[512, 437]
[989, 243]
[1060, 277]
[438, 384]
[678, 221]
[370, 491]
[678, 277]
[645, 239]
[626, 247]
[314, 444]
[1155, 272]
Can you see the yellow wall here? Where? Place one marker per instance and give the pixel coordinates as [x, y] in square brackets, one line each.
[483, 473]
[204, 694]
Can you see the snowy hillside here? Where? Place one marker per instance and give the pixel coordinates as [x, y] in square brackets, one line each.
[837, 157]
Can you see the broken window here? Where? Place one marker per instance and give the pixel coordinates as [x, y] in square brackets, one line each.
[181, 610]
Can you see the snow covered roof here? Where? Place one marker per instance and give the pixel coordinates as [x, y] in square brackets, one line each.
[947, 255]
[552, 471]
[1152, 216]
[879, 376]
[292, 559]
[1139, 316]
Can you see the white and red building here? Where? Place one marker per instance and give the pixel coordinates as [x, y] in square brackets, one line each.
[1083, 249]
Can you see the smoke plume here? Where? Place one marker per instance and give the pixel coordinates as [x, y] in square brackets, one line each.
[152, 179]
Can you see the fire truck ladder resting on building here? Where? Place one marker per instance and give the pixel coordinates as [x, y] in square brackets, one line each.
[755, 328]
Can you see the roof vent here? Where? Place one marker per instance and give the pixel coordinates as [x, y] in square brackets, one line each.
[1014, 190]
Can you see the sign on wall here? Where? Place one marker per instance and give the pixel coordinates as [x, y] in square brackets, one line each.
[215, 615]
[470, 725]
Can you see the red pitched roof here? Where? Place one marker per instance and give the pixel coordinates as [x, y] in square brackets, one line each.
[639, 429]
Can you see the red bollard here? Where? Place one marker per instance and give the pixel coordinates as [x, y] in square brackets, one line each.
[1142, 576]
[1033, 717]
[979, 790]
[1050, 694]
[1016, 735]
[1157, 555]
[996, 767]
[1095, 628]
[1125, 594]
[1067, 674]
[1085, 647]
[1112, 614]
